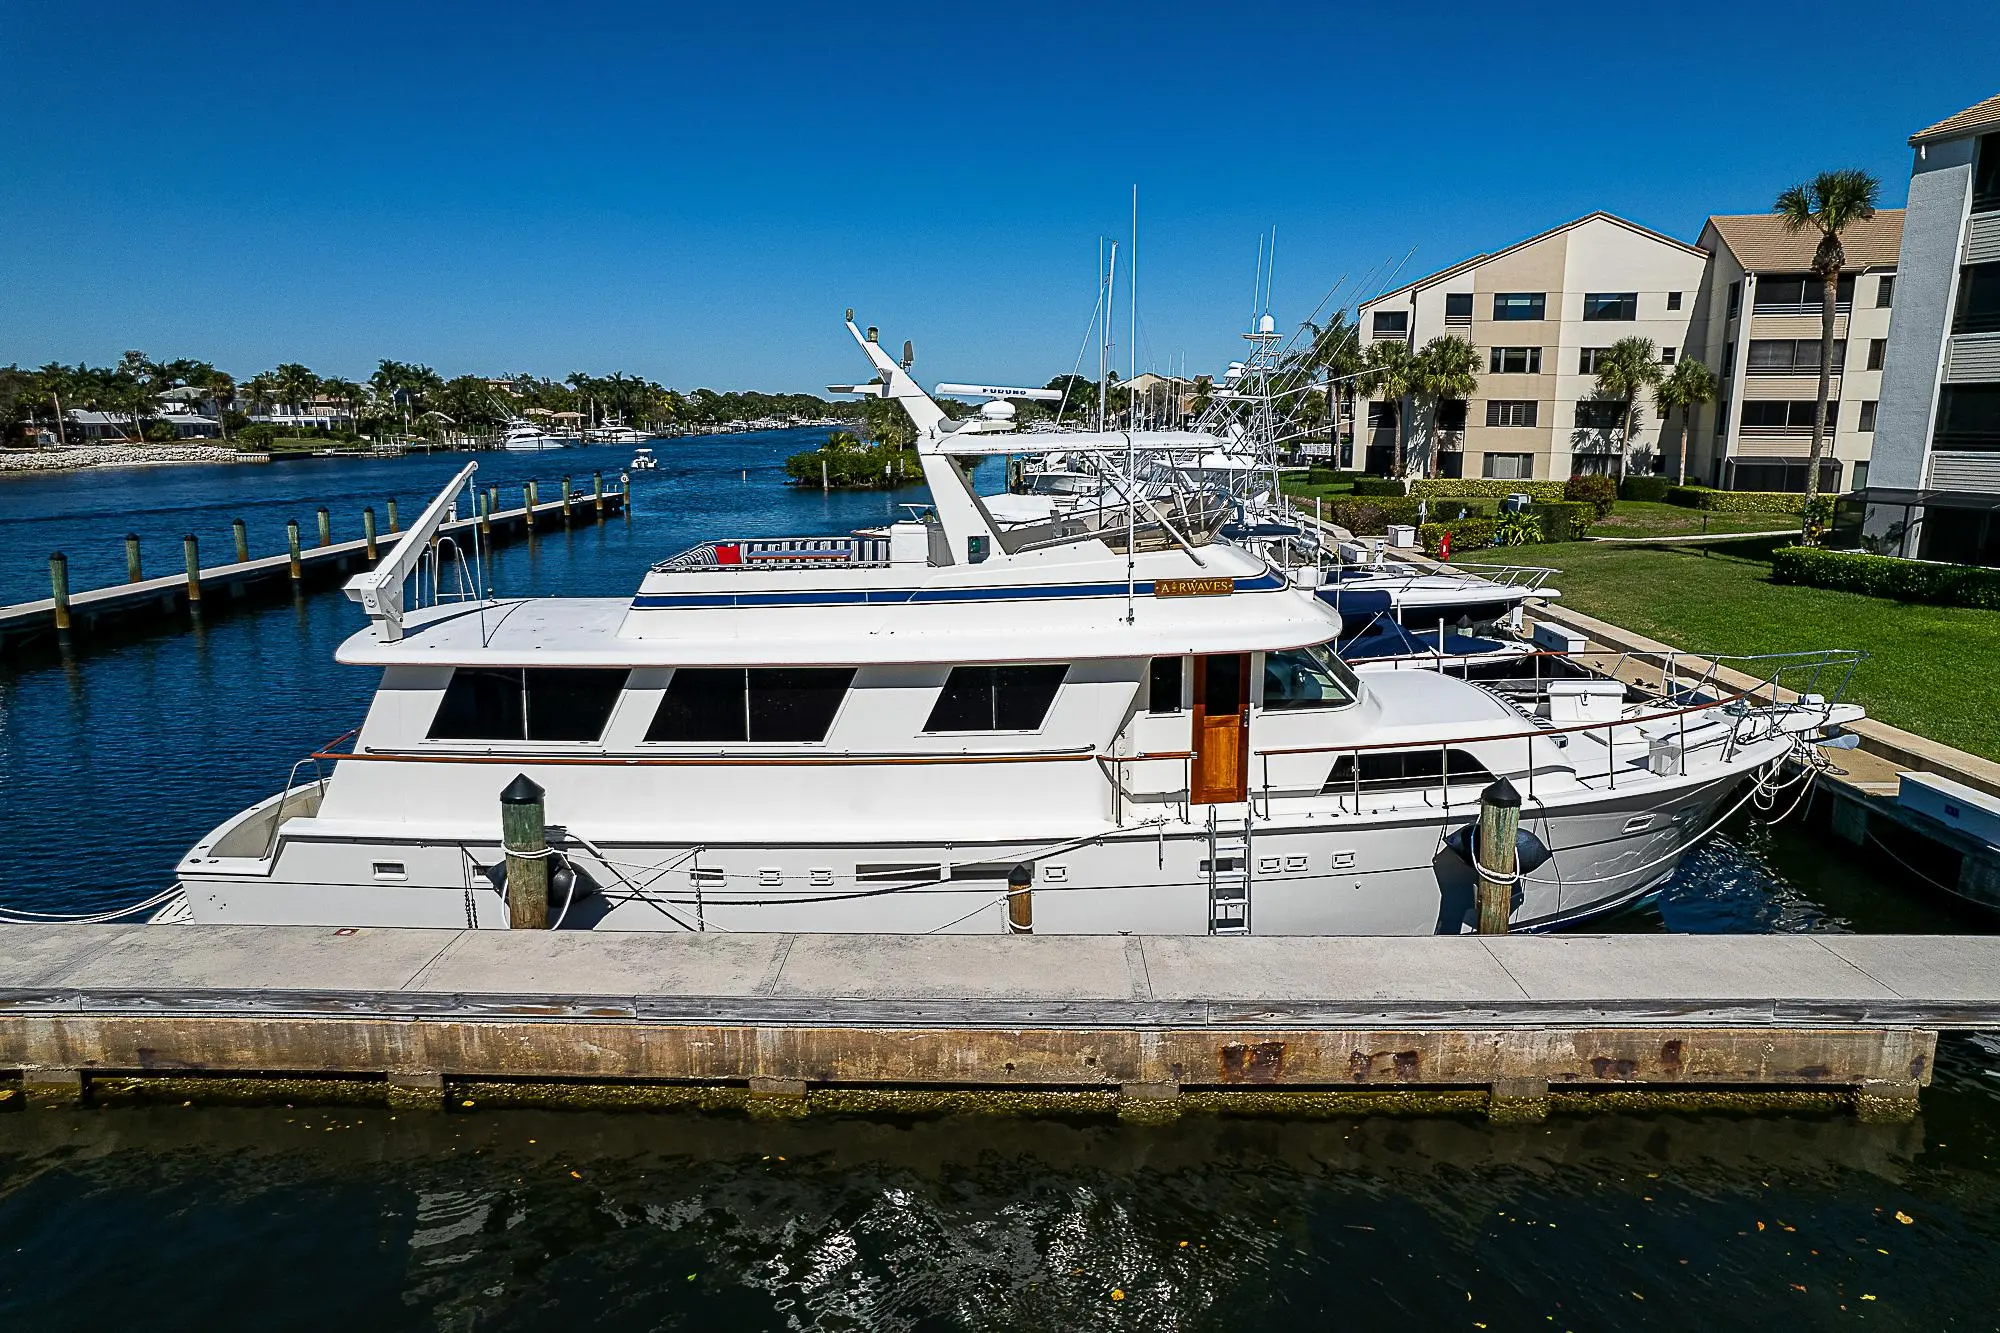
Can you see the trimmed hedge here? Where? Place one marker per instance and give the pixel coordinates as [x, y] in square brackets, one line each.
[1650, 490]
[1380, 486]
[1737, 502]
[1599, 490]
[1887, 576]
[1332, 476]
[1482, 488]
[1565, 520]
[1371, 517]
[1467, 534]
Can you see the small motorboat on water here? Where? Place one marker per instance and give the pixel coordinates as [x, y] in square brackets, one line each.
[643, 461]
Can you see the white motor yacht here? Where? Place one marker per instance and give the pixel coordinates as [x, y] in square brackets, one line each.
[527, 437]
[1135, 727]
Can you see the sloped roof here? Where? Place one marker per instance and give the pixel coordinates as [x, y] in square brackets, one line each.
[1762, 245]
[1571, 225]
[1985, 116]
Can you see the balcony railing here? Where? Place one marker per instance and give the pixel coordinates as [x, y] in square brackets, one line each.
[1812, 307]
[1966, 441]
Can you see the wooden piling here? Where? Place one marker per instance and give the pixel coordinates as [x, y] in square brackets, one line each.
[394, 526]
[485, 507]
[59, 588]
[133, 573]
[565, 501]
[1499, 819]
[241, 533]
[524, 833]
[191, 549]
[292, 545]
[529, 491]
[597, 492]
[625, 490]
[368, 530]
[325, 527]
[1021, 900]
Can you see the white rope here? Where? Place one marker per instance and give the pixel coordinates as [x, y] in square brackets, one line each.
[21, 916]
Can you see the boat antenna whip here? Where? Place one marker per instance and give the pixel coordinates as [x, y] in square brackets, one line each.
[380, 590]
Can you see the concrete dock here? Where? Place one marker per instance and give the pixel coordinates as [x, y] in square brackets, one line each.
[163, 604]
[1157, 1023]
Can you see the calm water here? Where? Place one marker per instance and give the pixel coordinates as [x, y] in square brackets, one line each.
[111, 765]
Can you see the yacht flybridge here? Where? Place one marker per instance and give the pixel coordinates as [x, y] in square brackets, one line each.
[1111, 719]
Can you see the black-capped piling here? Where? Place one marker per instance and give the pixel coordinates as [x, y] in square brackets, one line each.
[524, 834]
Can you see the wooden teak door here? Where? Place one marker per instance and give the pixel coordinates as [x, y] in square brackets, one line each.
[1221, 745]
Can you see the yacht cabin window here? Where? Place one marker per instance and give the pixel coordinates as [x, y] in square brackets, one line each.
[772, 704]
[527, 704]
[1163, 685]
[1393, 770]
[1309, 677]
[996, 698]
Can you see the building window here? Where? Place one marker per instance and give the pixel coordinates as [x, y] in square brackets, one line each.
[996, 698]
[1885, 291]
[1986, 174]
[1516, 361]
[1519, 305]
[1509, 467]
[1735, 298]
[1588, 360]
[1458, 307]
[1722, 417]
[1778, 415]
[1391, 323]
[1666, 356]
[1878, 348]
[1611, 305]
[1599, 414]
[1729, 358]
[1451, 414]
[1978, 299]
[1968, 418]
[1867, 426]
[1382, 416]
[1860, 479]
[792, 705]
[536, 704]
[1505, 412]
[1791, 356]
[1306, 678]
[1799, 294]
[1163, 686]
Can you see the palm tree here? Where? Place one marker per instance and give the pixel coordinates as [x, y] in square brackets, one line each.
[348, 394]
[1389, 372]
[294, 384]
[55, 380]
[1627, 369]
[1830, 203]
[1447, 367]
[1692, 383]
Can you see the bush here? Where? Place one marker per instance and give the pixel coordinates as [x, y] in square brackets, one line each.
[1887, 576]
[1332, 476]
[1650, 490]
[1599, 491]
[256, 436]
[159, 432]
[855, 467]
[1467, 534]
[1380, 486]
[1737, 502]
[1565, 520]
[1371, 517]
[1464, 488]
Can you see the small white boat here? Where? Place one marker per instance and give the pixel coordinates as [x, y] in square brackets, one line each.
[527, 437]
[614, 431]
[643, 461]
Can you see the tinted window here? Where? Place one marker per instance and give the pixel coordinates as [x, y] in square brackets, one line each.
[1515, 361]
[1404, 769]
[1163, 686]
[1794, 415]
[1598, 414]
[1306, 678]
[996, 698]
[1391, 321]
[1222, 685]
[1458, 305]
[1611, 305]
[537, 704]
[1978, 299]
[1518, 305]
[1968, 417]
[767, 704]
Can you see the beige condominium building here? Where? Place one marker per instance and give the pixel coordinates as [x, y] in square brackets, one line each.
[1757, 325]
[1539, 312]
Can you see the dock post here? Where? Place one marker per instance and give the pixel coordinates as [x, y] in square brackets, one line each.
[485, 506]
[133, 573]
[325, 527]
[193, 552]
[292, 545]
[524, 833]
[394, 526]
[59, 588]
[565, 494]
[368, 530]
[1021, 900]
[625, 490]
[241, 533]
[1499, 820]
[492, 499]
[597, 491]
[529, 492]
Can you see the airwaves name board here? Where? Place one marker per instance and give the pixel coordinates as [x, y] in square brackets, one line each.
[1193, 587]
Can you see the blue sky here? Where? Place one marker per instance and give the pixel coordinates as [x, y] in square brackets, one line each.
[694, 192]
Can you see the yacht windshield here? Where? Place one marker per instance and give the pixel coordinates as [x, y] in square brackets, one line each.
[1310, 677]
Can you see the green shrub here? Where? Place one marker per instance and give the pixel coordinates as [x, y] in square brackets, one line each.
[1737, 502]
[1650, 490]
[1464, 488]
[852, 466]
[257, 436]
[1371, 517]
[1332, 476]
[1600, 491]
[1467, 534]
[1887, 576]
[1380, 486]
[1516, 530]
[1565, 520]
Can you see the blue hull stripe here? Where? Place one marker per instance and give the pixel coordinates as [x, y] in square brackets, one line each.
[1268, 581]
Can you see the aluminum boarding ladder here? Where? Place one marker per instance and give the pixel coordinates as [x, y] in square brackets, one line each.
[1228, 868]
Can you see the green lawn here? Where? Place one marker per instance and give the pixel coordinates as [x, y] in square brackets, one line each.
[1931, 668]
[1645, 518]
